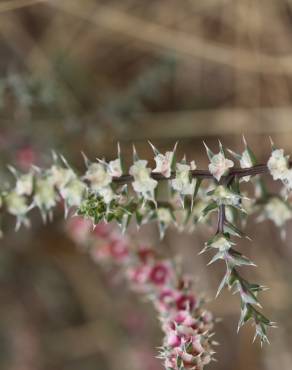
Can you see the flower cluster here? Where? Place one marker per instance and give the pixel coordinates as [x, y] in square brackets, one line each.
[219, 164]
[103, 194]
[182, 182]
[186, 325]
[143, 184]
[278, 165]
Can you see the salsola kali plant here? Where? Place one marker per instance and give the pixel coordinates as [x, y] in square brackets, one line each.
[175, 193]
[186, 325]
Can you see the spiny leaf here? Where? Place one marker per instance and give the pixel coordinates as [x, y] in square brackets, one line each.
[122, 163]
[239, 259]
[155, 150]
[218, 256]
[197, 187]
[272, 143]
[233, 230]
[119, 149]
[54, 156]
[249, 152]
[234, 155]
[224, 282]
[135, 155]
[210, 154]
[205, 249]
[210, 208]
[13, 171]
[87, 162]
[64, 160]
[221, 148]
[173, 162]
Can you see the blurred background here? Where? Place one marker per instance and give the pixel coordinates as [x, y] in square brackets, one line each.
[80, 76]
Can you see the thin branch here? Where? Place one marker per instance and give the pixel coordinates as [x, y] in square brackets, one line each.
[162, 39]
[10, 5]
[202, 174]
[221, 219]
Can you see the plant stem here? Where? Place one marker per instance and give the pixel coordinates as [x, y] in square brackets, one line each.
[221, 219]
[202, 174]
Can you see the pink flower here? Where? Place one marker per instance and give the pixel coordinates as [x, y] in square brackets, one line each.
[119, 249]
[190, 321]
[25, 157]
[165, 299]
[146, 254]
[102, 230]
[99, 252]
[219, 165]
[79, 229]
[172, 339]
[188, 359]
[207, 317]
[170, 362]
[185, 302]
[196, 345]
[163, 163]
[180, 316]
[139, 275]
[115, 168]
[159, 273]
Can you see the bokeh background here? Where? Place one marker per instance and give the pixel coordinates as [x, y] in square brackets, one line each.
[80, 76]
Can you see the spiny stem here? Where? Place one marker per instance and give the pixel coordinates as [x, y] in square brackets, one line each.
[221, 219]
[203, 174]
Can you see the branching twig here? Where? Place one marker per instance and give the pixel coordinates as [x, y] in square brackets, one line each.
[203, 174]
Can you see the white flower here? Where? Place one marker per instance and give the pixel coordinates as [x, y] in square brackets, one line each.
[107, 194]
[60, 176]
[73, 192]
[163, 163]
[278, 211]
[45, 196]
[98, 176]
[221, 243]
[193, 165]
[24, 184]
[115, 168]
[222, 195]
[287, 180]
[278, 164]
[182, 182]
[16, 204]
[219, 165]
[164, 215]
[143, 183]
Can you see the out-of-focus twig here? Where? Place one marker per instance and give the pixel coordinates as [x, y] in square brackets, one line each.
[166, 39]
[6, 6]
[226, 121]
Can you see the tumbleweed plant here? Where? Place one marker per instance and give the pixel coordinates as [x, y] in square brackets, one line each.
[107, 193]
